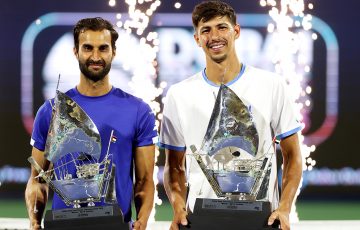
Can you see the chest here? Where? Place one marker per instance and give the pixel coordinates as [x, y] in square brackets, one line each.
[112, 115]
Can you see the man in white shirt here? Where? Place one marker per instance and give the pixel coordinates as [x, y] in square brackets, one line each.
[189, 105]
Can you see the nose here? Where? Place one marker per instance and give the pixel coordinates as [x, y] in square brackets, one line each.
[214, 34]
[95, 55]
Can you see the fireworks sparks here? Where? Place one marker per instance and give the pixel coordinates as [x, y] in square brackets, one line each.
[291, 26]
[143, 79]
[177, 5]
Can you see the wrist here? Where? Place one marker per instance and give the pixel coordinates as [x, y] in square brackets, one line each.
[284, 208]
[34, 225]
[179, 207]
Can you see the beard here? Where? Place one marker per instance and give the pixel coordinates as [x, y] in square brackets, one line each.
[92, 75]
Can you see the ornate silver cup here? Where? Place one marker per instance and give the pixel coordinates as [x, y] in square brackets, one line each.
[78, 173]
[73, 146]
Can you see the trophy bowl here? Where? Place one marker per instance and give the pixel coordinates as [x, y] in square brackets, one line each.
[236, 170]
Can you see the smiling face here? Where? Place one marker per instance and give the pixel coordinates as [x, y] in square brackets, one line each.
[95, 54]
[217, 38]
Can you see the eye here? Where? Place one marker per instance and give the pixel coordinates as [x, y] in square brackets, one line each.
[87, 47]
[204, 31]
[104, 48]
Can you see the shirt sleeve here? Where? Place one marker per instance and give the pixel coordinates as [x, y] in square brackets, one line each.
[284, 120]
[41, 126]
[146, 132]
[171, 135]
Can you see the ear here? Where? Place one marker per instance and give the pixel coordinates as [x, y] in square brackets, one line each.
[197, 40]
[237, 31]
[76, 53]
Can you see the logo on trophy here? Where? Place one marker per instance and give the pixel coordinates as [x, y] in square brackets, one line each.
[78, 174]
[237, 172]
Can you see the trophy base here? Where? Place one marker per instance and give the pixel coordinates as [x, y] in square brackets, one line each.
[218, 214]
[98, 217]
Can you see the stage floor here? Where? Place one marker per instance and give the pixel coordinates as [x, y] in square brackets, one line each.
[22, 223]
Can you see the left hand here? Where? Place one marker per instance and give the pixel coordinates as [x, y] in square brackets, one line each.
[282, 216]
[138, 225]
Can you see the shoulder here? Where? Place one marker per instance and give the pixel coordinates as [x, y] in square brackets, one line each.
[262, 77]
[187, 84]
[261, 73]
[45, 108]
[129, 99]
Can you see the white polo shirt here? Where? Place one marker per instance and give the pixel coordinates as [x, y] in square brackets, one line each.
[188, 108]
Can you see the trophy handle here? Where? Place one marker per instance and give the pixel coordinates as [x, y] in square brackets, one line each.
[47, 179]
[208, 176]
[109, 190]
[264, 169]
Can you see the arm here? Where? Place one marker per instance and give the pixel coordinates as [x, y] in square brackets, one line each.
[144, 184]
[292, 172]
[174, 182]
[36, 192]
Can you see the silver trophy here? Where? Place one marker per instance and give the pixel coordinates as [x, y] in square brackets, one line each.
[237, 172]
[78, 173]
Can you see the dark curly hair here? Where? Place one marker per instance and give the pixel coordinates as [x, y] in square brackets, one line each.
[94, 24]
[208, 10]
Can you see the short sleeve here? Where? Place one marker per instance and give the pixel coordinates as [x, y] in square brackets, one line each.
[284, 119]
[146, 132]
[41, 126]
[171, 135]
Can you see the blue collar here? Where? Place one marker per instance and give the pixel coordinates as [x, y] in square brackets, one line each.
[242, 70]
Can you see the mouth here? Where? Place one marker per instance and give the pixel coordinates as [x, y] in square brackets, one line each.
[95, 65]
[216, 46]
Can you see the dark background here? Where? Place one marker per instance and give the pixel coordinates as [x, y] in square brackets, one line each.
[338, 151]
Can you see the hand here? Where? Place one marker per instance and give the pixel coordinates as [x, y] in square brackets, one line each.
[35, 226]
[179, 218]
[282, 216]
[138, 225]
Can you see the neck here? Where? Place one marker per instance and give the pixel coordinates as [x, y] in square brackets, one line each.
[224, 72]
[90, 88]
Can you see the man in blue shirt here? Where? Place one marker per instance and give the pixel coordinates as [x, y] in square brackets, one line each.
[110, 109]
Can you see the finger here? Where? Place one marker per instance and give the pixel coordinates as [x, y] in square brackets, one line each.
[183, 220]
[174, 226]
[272, 218]
[136, 226]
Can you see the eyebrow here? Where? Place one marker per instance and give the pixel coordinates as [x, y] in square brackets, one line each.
[222, 24]
[217, 25]
[104, 46]
[100, 46]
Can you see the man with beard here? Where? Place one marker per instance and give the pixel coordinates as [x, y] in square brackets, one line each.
[110, 109]
[189, 105]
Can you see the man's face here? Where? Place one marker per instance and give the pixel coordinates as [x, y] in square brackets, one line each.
[95, 54]
[217, 38]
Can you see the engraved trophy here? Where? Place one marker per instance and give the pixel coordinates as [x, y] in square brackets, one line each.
[78, 174]
[237, 172]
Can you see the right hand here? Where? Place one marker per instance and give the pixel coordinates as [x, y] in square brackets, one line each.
[35, 226]
[179, 218]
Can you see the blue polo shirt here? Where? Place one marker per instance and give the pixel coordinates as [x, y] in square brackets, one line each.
[133, 123]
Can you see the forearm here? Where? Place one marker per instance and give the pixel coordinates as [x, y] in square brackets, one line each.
[144, 199]
[174, 183]
[36, 196]
[292, 172]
